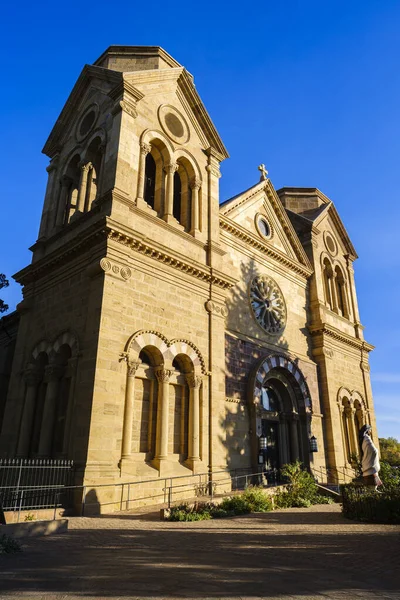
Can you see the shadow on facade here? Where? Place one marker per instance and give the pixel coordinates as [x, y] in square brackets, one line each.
[245, 346]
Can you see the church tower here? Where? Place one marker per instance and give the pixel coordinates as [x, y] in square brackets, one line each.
[119, 358]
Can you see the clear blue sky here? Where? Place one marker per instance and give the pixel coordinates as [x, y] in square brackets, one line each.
[309, 88]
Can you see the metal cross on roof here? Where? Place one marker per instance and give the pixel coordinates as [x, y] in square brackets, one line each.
[263, 171]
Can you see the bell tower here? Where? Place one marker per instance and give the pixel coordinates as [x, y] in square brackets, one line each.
[119, 357]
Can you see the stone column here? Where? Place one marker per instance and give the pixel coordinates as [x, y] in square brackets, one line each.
[195, 185]
[353, 299]
[294, 435]
[344, 443]
[45, 225]
[351, 428]
[71, 374]
[126, 450]
[332, 284]
[32, 378]
[346, 312]
[169, 193]
[52, 376]
[163, 377]
[62, 200]
[194, 383]
[85, 168]
[145, 149]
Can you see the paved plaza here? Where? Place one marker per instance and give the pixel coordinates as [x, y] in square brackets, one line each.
[295, 553]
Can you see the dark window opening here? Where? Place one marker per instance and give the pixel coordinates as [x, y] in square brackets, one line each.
[177, 197]
[150, 180]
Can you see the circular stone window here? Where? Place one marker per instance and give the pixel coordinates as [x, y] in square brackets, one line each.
[330, 244]
[173, 124]
[267, 304]
[263, 227]
[86, 123]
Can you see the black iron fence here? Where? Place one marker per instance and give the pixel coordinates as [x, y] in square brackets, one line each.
[33, 483]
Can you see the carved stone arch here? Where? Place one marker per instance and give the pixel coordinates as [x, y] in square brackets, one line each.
[181, 346]
[182, 153]
[338, 265]
[150, 135]
[281, 361]
[97, 133]
[43, 346]
[78, 150]
[143, 338]
[343, 392]
[67, 338]
[323, 256]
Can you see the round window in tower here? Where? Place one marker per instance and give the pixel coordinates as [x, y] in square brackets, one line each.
[87, 122]
[263, 227]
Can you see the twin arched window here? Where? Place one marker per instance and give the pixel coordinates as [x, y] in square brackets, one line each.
[79, 185]
[170, 188]
[335, 289]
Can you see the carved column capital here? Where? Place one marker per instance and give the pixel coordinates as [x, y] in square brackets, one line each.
[85, 166]
[195, 183]
[145, 148]
[132, 366]
[171, 168]
[163, 375]
[32, 375]
[53, 372]
[193, 381]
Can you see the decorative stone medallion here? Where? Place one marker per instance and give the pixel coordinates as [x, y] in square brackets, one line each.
[267, 304]
[173, 124]
[87, 122]
[330, 244]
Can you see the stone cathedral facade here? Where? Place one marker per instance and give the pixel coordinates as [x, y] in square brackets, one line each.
[165, 333]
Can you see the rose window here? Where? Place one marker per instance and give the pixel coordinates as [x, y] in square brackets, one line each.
[268, 305]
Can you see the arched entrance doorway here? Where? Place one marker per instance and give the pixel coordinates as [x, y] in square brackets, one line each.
[280, 412]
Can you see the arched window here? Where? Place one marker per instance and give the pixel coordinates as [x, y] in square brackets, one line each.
[94, 157]
[179, 410]
[58, 444]
[177, 202]
[346, 429]
[68, 197]
[341, 292]
[144, 426]
[327, 278]
[31, 441]
[150, 181]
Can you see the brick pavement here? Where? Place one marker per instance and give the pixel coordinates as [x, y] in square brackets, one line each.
[297, 554]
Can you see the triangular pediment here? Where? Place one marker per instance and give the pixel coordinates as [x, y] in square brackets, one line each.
[321, 216]
[92, 80]
[246, 209]
[151, 82]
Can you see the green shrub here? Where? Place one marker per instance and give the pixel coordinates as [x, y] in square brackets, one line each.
[8, 545]
[301, 489]
[363, 504]
[257, 500]
[390, 476]
[236, 505]
[184, 512]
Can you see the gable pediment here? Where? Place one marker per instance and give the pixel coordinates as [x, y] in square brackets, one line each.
[149, 83]
[92, 80]
[261, 201]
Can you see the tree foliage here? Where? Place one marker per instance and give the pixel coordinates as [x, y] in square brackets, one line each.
[390, 450]
[3, 283]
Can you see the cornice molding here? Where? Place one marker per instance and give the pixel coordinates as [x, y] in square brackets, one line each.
[106, 230]
[256, 242]
[320, 331]
[167, 256]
